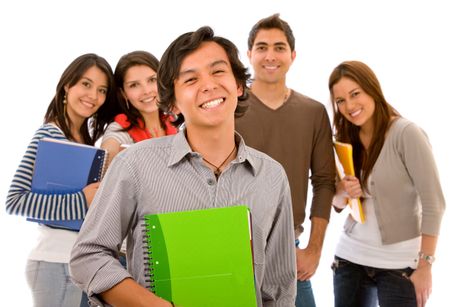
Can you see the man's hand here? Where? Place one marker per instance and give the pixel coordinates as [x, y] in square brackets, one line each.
[308, 258]
[307, 262]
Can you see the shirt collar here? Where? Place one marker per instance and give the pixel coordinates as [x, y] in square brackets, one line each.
[181, 149]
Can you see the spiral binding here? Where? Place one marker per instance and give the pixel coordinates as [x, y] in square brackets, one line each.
[148, 259]
[104, 162]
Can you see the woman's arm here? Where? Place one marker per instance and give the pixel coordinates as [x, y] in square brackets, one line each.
[21, 200]
[113, 147]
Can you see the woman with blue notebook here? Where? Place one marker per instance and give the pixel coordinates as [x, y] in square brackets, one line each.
[77, 113]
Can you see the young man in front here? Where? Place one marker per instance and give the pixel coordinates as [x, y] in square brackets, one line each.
[294, 130]
[205, 165]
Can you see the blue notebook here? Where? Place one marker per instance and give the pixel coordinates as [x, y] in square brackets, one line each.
[65, 167]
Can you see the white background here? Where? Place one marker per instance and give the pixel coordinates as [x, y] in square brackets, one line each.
[405, 43]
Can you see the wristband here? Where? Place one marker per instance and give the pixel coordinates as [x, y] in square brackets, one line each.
[428, 258]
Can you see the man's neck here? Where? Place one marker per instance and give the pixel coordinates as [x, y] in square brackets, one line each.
[213, 144]
[273, 95]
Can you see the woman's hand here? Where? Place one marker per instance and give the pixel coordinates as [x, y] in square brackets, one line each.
[422, 281]
[349, 187]
[89, 192]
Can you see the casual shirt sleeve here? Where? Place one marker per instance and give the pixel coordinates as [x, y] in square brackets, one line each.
[421, 166]
[115, 131]
[94, 263]
[279, 284]
[323, 169]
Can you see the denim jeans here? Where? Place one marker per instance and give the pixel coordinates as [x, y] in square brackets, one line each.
[50, 285]
[363, 286]
[84, 300]
[305, 295]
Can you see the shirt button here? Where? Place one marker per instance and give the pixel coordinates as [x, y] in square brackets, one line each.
[210, 181]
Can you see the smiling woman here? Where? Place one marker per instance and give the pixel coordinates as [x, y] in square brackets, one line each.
[82, 91]
[408, 51]
[402, 197]
[83, 99]
[137, 116]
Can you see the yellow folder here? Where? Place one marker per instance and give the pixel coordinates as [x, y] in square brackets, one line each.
[344, 165]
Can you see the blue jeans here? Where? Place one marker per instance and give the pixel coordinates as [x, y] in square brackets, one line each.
[50, 284]
[305, 295]
[363, 286]
[84, 300]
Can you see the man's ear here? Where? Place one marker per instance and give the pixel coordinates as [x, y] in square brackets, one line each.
[294, 55]
[240, 90]
[249, 54]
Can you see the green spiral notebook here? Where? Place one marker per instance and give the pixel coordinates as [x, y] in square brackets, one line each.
[201, 257]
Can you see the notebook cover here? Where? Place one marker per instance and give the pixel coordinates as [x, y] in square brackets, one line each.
[63, 167]
[202, 257]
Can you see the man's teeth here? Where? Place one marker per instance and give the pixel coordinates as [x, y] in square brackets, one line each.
[212, 103]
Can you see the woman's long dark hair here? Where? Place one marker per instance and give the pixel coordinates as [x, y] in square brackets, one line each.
[92, 128]
[345, 131]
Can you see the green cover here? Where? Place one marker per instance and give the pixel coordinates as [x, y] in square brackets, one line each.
[202, 258]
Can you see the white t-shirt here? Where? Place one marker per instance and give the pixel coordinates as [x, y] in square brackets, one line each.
[362, 244]
[53, 245]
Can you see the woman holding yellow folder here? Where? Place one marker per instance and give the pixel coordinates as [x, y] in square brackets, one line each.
[388, 259]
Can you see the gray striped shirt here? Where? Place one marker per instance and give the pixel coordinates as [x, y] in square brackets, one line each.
[165, 175]
[116, 132]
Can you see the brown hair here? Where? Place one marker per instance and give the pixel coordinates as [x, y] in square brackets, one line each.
[347, 132]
